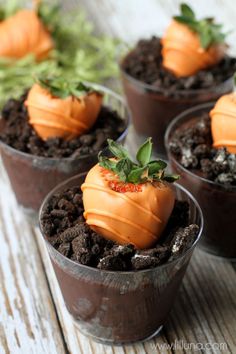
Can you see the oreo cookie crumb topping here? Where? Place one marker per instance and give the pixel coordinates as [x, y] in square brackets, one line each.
[18, 133]
[65, 228]
[144, 63]
[140, 262]
[191, 144]
[183, 239]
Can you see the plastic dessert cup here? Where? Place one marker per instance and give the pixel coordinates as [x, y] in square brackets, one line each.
[217, 201]
[152, 110]
[120, 307]
[32, 177]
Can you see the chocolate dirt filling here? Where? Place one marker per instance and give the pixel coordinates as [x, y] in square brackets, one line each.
[19, 134]
[65, 228]
[155, 96]
[144, 63]
[115, 293]
[191, 146]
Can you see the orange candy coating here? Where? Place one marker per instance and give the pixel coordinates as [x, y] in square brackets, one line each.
[132, 217]
[182, 52]
[61, 117]
[223, 122]
[22, 34]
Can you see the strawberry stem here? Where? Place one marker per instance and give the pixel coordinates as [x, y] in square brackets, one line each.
[209, 32]
[59, 87]
[141, 171]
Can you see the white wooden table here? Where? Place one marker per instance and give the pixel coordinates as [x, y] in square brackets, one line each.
[33, 318]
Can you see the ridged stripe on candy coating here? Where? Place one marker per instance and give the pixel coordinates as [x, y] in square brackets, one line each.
[226, 113]
[225, 143]
[74, 121]
[45, 123]
[119, 218]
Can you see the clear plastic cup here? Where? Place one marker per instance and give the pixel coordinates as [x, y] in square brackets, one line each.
[152, 109]
[120, 307]
[32, 177]
[217, 201]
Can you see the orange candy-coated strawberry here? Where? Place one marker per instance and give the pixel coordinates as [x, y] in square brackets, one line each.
[22, 34]
[126, 212]
[67, 117]
[223, 122]
[182, 51]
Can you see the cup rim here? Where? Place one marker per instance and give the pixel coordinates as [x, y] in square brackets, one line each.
[169, 129]
[83, 174]
[69, 158]
[159, 90]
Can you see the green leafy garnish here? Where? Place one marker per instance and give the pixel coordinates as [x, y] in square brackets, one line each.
[49, 16]
[79, 53]
[144, 153]
[142, 171]
[209, 32]
[62, 88]
[9, 8]
[117, 150]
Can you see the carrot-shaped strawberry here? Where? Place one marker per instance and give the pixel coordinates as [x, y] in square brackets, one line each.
[223, 122]
[190, 45]
[126, 201]
[58, 108]
[24, 33]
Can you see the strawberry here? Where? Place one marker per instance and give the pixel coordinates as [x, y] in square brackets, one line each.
[126, 201]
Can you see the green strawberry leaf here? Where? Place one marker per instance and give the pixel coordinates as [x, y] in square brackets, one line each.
[135, 176]
[124, 167]
[187, 11]
[182, 19]
[171, 178]
[117, 149]
[144, 153]
[155, 167]
[205, 39]
[107, 163]
[131, 172]
[59, 87]
[209, 32]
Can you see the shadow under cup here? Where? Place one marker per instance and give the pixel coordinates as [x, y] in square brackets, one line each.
[120, 307]
[218, 202]
[153, 109]
[33, 177]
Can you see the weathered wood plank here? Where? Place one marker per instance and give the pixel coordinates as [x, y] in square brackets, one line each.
[28, 322]
[205, 310]
[206, 305]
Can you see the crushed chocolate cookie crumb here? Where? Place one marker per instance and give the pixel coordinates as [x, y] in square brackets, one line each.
[72, 232]
[112, 262]
[19, 134]
[140, 262]
[64, 249]
[183, 239]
